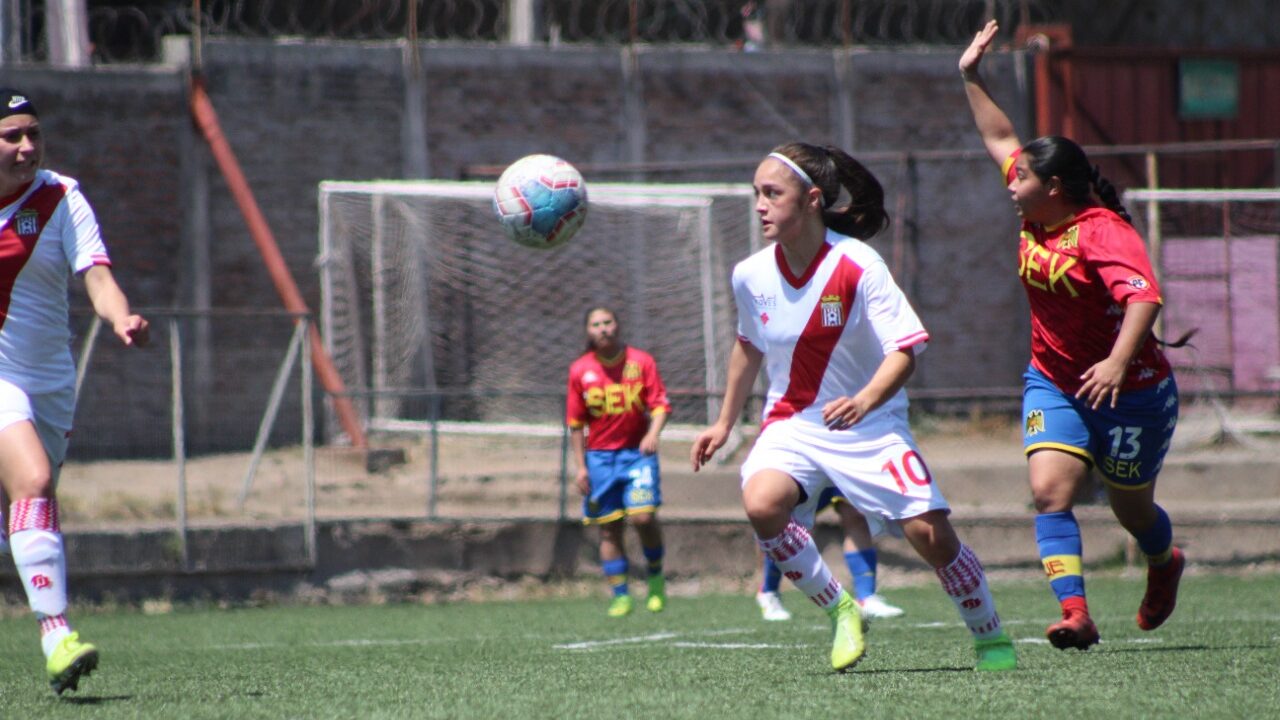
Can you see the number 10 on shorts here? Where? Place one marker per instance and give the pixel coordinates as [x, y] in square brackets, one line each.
[912, 467]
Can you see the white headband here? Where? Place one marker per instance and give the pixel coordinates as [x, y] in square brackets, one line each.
[804, 176]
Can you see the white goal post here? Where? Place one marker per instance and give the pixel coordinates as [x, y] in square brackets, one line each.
[431, 314]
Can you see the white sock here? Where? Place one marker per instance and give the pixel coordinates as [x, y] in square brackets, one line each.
[797, 556]
[38, 554]
[966, 583]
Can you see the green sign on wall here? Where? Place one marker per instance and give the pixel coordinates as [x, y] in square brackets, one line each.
[1208, 89]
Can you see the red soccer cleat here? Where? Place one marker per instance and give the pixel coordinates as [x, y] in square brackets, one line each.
[1162, 592]
[1076, 629]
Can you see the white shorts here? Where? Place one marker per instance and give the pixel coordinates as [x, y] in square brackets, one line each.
[885, 477]
[51, 413]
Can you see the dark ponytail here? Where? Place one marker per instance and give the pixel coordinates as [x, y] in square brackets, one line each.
[1055, 156]
[1107, 193]
[859, 210]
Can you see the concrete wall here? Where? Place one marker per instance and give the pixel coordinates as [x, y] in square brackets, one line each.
[298, 112]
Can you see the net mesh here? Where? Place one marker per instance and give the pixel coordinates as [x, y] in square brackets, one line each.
[428, 307]
[1217, 253]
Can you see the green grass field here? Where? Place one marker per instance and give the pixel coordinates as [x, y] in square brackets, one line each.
[706, 657]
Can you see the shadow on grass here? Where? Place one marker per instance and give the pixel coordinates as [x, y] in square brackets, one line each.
[1188, 648]
[94, 699]
[892, 671]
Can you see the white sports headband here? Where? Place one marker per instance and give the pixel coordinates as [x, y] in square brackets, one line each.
[804, 176]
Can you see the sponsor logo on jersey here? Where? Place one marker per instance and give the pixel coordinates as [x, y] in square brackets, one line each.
[765, 301]
[1146, 373]
[832, 311]
[1070, 239]
[1035, 422]
[27, 222]
[1137, 282]
[631, 371]
[589, 376]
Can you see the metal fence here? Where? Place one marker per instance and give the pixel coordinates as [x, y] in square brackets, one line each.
[177, 435]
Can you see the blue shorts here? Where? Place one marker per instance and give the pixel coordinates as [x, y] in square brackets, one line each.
[623, 482]
[1127, 443]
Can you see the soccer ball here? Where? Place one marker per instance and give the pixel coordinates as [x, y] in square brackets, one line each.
[541, 201]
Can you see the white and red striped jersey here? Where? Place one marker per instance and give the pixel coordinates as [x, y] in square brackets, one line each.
[46, 234]
[825, 334]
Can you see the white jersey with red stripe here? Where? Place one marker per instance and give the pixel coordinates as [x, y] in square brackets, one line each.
[46, 234]
[824, 334]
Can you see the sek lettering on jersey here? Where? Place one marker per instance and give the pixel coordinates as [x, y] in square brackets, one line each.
[614, 398]
[1046, 269]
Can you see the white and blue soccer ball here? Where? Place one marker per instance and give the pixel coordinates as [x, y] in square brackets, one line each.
[541, 201]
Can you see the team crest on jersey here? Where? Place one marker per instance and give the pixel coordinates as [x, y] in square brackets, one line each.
[832, 311]
[631, 371]
[27, 222]
[1137, 282]
[1035, 423]
[1070, 239]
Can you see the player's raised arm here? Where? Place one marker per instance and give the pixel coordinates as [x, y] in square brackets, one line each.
[993, 125]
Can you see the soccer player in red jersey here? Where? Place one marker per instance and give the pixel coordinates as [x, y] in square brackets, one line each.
[840, 340]
[1099, 392]
[47, 233]
[617, 406]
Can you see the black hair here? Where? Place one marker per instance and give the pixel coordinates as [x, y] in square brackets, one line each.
[832, 170]
[1056, 156]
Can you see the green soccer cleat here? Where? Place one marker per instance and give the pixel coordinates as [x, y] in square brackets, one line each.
[847, 643]
[621, 606]
[657, 601]
[996, 654]
[70, 661]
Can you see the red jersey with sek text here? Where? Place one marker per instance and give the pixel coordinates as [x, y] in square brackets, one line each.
[615, 400]
[1079, 276]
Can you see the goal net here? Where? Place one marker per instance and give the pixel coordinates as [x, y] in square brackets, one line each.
[1217, 254]
[430, 313]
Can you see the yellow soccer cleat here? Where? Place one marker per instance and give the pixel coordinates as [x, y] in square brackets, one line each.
[621, 606]
[70, 661]
[847, 642]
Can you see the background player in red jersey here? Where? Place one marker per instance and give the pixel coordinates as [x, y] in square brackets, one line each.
[617, 396]
[840, 340]
[1099, 392]
[47, 232]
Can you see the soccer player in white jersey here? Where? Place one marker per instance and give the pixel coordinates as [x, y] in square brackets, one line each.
[840, 341]
[47, 232]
